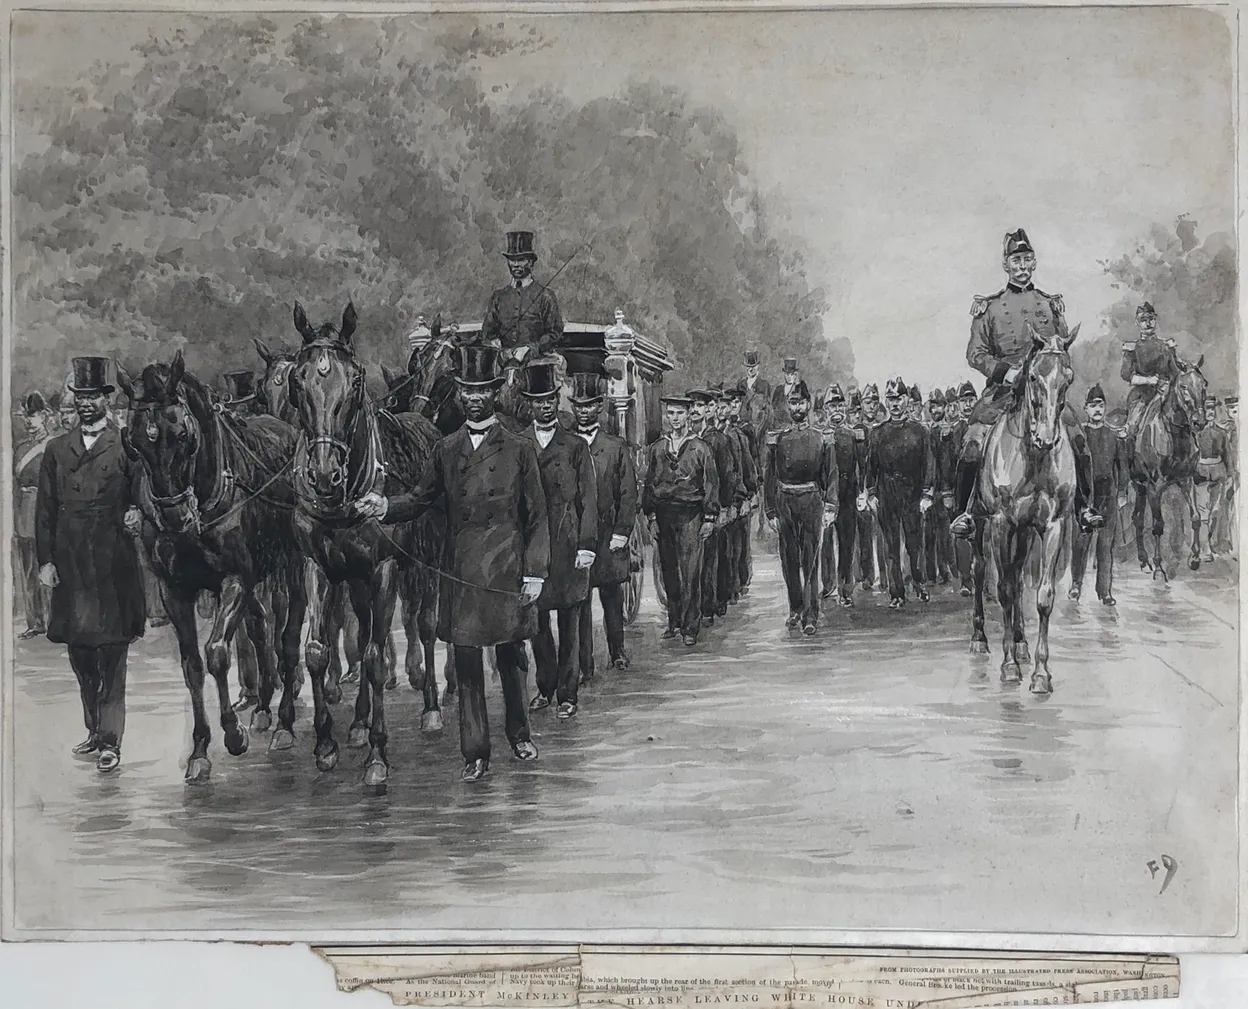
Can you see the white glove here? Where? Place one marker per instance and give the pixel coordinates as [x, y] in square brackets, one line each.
[829, 515]
[133, 520]
[48, 577]
[1012, 374]
[371, 506]
[862, 501]
[925, 504]
[618, 542]
[948, 501]
[530, 590]
[584, 559]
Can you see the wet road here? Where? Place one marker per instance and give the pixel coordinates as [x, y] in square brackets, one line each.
[875, 776]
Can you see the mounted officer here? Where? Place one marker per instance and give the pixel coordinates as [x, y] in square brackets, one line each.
[1002, 328]
[838, 538]
[1149, 365]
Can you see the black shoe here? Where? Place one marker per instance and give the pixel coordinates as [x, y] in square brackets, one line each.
[1075, 592]
[808, 629]
[722, 611]
[31, 632]
[108, 760]
[708, 621]
[965, 591]
[539, 703]
[846, 599]
[524, 750]
[620, 661]
[689, 640]
[671, 632]
[896, 603]
[566, 710]
[475, 770]
[923, 595]
[793, 620]
[1109, 600]
[88, 745]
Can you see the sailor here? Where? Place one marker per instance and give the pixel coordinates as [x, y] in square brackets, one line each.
[731, 489]
[1110, 479]
[732, 566]
[1214, 466]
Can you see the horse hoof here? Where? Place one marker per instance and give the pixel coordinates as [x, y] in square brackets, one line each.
[1194, 563]
[1145, 566]
[1011, 674]
[392, 682]
[448, 695]
[1041, 683]
[261, 721]
[357, 737]
[327, 761]
[283, 739]
[237, 740]
[431, 721]
[1021, 652]
[376, 773]
[979, 647]
[351, 676]
[333, 693]
[198, 770]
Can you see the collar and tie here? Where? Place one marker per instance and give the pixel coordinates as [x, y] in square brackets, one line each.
[477, 430]
[521, 284]
[589, 434]
[545, 432]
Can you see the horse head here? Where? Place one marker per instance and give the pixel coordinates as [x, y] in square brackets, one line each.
[273, 395]
[326, 389]
[169, 411]
[1187, 396]
[1048, 377]
[432, 371]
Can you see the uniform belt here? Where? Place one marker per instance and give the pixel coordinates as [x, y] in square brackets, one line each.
[797, 488]
[1205, 461]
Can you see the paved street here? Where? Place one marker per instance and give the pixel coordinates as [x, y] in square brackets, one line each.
[876, 775]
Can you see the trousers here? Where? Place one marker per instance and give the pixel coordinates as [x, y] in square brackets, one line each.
[938, 556]
[866, 546]
[474, 723]
[680, 558]
[35, 598]
[900, 520]
[101, 674]
[1106, 504]
[611, 599]
[799, 520]
[557, 671]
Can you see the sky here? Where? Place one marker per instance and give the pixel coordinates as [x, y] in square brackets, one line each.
[901, 145]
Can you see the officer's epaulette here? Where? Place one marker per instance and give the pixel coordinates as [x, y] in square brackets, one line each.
[979, 305]
[1128, 348]
[773, 437]
[1055, 300]
[1171, 343]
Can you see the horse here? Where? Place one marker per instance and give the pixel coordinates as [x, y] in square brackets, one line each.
[1025, 491]
[221, 504]
[347, 447]
[1165, 455]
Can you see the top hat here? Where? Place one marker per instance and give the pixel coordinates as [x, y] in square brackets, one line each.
[936, 396]
[239, 385]
[751, 357]
[478, 365]
[676, 400]
[1095, 395]
[895, 388]
[520, 245]
[1017, 241]
[541, 379]
[871, 392]
[790, 364]
[834, 396]
[90, 375]
[32, 403]
[966, 390]
[586, 387]
[1146, 311]
[799, 391]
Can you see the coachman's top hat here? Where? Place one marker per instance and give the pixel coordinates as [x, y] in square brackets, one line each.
[32, 403]
[520, 245]
[834, 396]
[1095, 395]
[799, 391]
[790, 364]
[1016, 241]
[541, 379]
[1146, 311]
[586, 387]
[751, 358]
[478, 365]
[90, 376]
[239, 385]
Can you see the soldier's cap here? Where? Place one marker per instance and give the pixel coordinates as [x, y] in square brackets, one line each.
[834, 397]
[1231, 401]
[478, 365]
[90, 375]
[855, 400]
[700, 395]
[937, 397]
[32, 403]
[1211, 401]
[733, 394]
[54, 400]
[541, 380]
[951, 393]
[915, 394]
[751, 358]
[895, 389]
[1016, 241]
[587, 388]
[871, 392]
[1095, 395]
[799, 392]
[967, 391]
[820, 402]
[1146, 311]
[716, 389]
[520, 245]
[790, 364]
[684, 402]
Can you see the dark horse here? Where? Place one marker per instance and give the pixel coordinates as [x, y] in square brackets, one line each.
[346, 448]
[222, 500]
[1165, 455]
[1025, 493]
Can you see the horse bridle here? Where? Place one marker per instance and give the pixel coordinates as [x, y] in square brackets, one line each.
[182, 512]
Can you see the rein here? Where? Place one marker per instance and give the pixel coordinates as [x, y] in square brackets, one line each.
[368, 474]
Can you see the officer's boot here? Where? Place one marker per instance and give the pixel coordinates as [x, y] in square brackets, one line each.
[967, 475]
[1088, 517]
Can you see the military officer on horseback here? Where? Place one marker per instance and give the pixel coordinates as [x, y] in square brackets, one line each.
[1149, 365]
[1003, 327]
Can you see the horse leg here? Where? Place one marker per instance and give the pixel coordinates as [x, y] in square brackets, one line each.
[1194, 510]
[1159, 529]
[316, 656]
[373, 602]
[256, 629]
[1003, 541]
[1051, 543]
[360, 617]
[291, 625]
[334, 677]
[419, 619]
[979, 640]
[1137, 520]
[352, 647]
[1028, 560]
[233, 600]
[180, 609]
[391, 658]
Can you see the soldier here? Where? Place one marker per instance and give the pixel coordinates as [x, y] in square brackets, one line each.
[523, 317]
[756, 411]
[617, 511]
[1224, 520]
[953, 410]
[748, 437]
[916, 405]
[731, 489]
[86, 517]
[964, 398]
[67, 412]
[900, 485]
[937, 539]
[967, 398]
[1213, 468]
[1149, 365]
[1110, 477]
[864, 520]
[732, 575]
[680, 499]
[496, 554]
[28, 460]
[800, 502]
[1002, 328]
[872, 413]
[838, 538]
[570, 486]
[780, 394]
